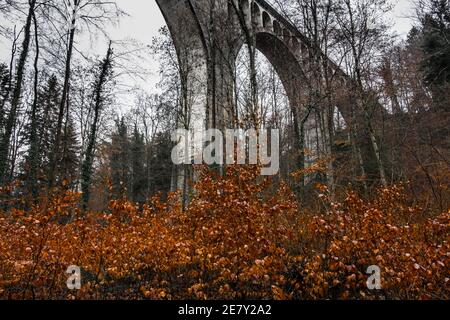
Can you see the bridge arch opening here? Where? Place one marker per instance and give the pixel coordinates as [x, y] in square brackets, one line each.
[279, 86]
[284, 62]
[273, 102]
[276, 28]
[267, 21]
[274, 53]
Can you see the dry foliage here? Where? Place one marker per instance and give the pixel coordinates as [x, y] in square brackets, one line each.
[236, 240]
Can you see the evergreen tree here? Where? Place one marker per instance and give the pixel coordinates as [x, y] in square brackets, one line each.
[119, 159]
[138, 172]
[436, 47]
[69, 163]
[46, 113]
[160, 163]
[49, 98]
[16, 98]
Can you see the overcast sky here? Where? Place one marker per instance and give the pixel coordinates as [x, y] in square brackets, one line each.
[145, 19]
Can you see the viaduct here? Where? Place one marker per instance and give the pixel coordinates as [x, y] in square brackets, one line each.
[208, 35]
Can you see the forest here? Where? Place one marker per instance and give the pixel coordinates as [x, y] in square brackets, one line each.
[87, 177]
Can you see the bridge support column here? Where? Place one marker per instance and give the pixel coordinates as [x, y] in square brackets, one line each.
[208, 34]
[203, 38]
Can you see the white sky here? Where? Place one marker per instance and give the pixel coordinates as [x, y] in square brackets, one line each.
[401, 15]
[145, 19]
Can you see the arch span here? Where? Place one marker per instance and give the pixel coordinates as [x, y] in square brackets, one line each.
[208, 36]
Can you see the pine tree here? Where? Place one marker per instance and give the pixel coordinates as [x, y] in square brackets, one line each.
[160, 163]
[138, 172]
[69, 163]
[436, 47]
[16, 98]
[45, 117]
[119, 159]
[49, 98]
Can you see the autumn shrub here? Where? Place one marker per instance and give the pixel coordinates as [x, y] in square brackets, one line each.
[235, 240]
[410, 247]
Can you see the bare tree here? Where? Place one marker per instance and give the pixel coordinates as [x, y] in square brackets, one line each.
[33, 151]
[17, 93]
[93, 15]
[361, 32]
[105, 69]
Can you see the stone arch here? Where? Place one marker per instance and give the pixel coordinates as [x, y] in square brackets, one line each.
[190, 45]
[194, 24]
[284, 60]
[285, 64]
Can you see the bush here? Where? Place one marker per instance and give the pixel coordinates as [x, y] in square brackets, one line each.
[236, 240]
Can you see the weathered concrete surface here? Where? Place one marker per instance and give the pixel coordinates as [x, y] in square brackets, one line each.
[208, 35]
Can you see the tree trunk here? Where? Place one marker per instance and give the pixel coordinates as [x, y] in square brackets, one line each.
[86, 170]
[34, 148]
[62, 106]
[17, 93]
